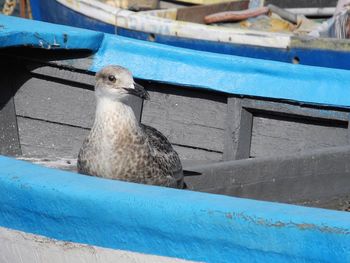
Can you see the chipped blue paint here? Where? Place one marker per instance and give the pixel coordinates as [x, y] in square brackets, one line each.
[188, 68]
[167, 222]
[22, 32]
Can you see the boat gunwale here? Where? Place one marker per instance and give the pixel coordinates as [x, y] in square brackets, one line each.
[148, 23]
[54, 204]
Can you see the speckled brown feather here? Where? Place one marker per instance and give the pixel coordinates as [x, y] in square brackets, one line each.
[119, 147]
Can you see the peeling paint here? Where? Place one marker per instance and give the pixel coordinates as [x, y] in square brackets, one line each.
[301, 226]
[24, 32]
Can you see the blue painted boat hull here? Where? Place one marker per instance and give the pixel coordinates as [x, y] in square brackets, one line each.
[153, 220]
[51, 11]
[166, 222]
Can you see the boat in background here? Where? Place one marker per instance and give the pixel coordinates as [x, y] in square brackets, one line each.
[182, 27]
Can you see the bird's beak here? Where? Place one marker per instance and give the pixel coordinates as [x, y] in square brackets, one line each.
[138, 91]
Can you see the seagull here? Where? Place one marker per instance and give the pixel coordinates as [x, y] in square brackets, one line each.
[118, 145]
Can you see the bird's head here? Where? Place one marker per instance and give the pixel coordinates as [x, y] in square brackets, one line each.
[116, 82]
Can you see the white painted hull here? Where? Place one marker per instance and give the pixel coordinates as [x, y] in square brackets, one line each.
[20, 247]
[145, 22]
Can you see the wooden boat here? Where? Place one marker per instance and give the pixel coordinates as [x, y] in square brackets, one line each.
[184, 28]
[215, 109]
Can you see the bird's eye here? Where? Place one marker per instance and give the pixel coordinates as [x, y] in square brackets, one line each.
[111, 78]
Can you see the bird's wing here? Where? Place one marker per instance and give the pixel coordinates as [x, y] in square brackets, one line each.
[162, 150]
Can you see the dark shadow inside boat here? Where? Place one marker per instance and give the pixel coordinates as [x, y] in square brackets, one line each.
[42, 55]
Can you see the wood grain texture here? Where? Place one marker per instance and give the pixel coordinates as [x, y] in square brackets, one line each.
[40, 138]
[187, 117]
[85, 78]
[52, 96]
[56, 102]
[238, 130]
[314, 178]
[273, 136]
[193, 154]
[55, 99]
[286, 108]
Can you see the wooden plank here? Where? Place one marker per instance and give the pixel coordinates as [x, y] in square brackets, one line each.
[280, 128]
[194, 136]
[234, 107]
[86, 78]
[238, 130]
[274, 135]
[187, 117]
[245, 134]
[318, 178]
[49, 140]
[9, 139]
[50, 97]
[302, 3]
[196, 14]
[287, 109]
[50, 100]
[192, 155]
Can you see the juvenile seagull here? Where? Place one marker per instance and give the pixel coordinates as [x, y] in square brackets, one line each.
[118, 146]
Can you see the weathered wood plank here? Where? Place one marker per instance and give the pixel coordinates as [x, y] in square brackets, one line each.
[317, 178]
[48, 96]
[185, 104]
[273, 135]
[238, 130]
[287, 109]
[233, 114]
[50, 140]
[9, 139]
[187, 117]
[302, 3]
[56, 100]
[194, 136]
[85, 78]
[193, 155]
